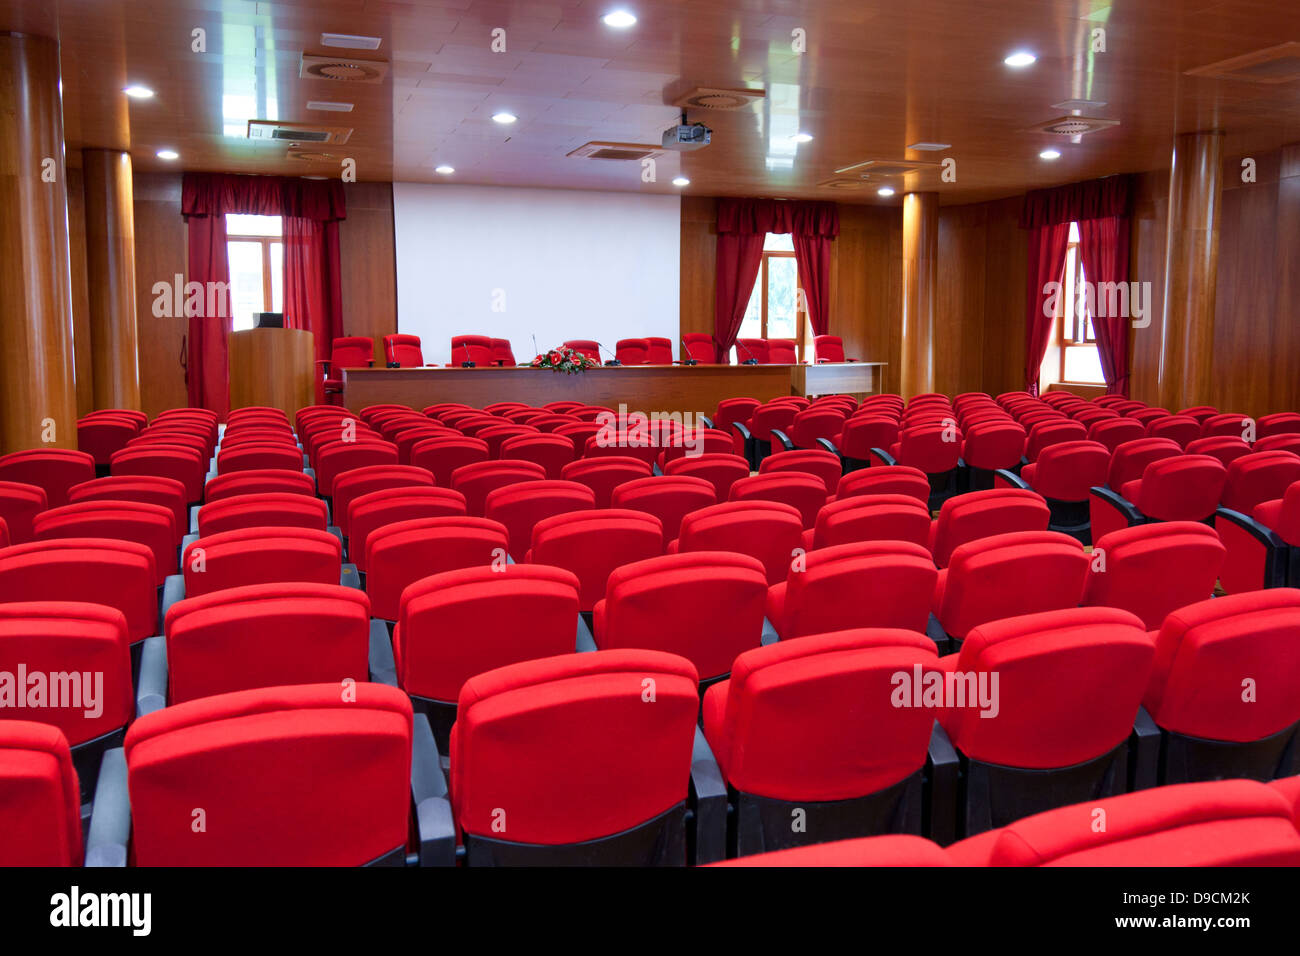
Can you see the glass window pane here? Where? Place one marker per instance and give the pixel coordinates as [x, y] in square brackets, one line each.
[782, 301]
[277, 277]
[778, 242]
[245, 281]
[1082, 364]
[238, 225]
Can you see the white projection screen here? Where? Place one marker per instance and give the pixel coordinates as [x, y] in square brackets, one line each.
[514, 263]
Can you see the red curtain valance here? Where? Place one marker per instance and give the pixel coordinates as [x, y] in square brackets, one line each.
[215, 194]
[1094, 199]
[800, 217]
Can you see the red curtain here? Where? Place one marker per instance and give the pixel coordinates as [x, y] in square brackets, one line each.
[742, 226]
[1103, 252]
[812, 256]
[206, 380]
[311, 210]
[1047, 247]
[740, 254]
[312, 294]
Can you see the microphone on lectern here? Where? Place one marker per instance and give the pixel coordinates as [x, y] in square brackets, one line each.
[613, 359]
[686, 350]
[749, 361]
[469, 356]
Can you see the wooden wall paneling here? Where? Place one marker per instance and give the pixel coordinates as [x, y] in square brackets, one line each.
[1006, 261]
[368, 263]
[110, 277]
[959, 317]
[81, 347]
[920, 286]
[160, 256]
[1150, 212]
[866, 286]
[1281, 327]
[699, 256]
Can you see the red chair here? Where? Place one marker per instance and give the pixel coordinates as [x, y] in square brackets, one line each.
[521, 507]
[751, 351]
[1226, 448]
[1225, 823]
[1008, 575]
[806, 493]
[502, 353]
[476, 480]
[269, 509]
[258, 480]
[101, 435]
[471, 348]
[20, 503]
[355, 482]
[861, 433]
[336, 457]
[638, 808]
[1153, 570]
[732, 410]
[782, 352]
[167, 492]
[280, 764]
[991, 445]
[247, 556]
[668, 498]
[264, 635]
[186, 465]
[696, 442]
[373, 510]
[869, 518]
[352, 351]
[1046, 434]
[812, 427]
[1264, 546]
[41, 813]
[593, 543]
[885, 480]
[1069, 690]
[1258, 477]
[933, 448]
[699, 346]
[1130, 459]
[1225, 688]
[631, 351]
[457, 624]
[258, 456]
[1227, 423]
[822, 464]
[1113, 432]
[1279, 423]
[53, 469]
[892, 851]
[829, 348]
[1065, 474]
[153, 526]
[1179, 428]
[985, 514]
[1284, 441]
[403, 552]
[722, 594]
[1186, 488]
[768, 727]
[602, 475]
[720, 470]
[552, 452]
[659, 350]
[441, 456]
[402, 351]
[588, 347]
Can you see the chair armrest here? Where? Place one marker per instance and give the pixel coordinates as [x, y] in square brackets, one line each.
[935, 632]
[705, 420]
[744, 430]
[829, 446]
[349, 576]
[110, 814]
[943, 766]
[1119, 503]
[1276, 549]
[323, 365]
[769, 635]
[585, 642]
[885, 457]
[1009, 479]
[1143, 752]
[1264, 535]
[780, 437]
[173, 591]
[151, 688]
[708, 800]
[433, 818]
[383, 666]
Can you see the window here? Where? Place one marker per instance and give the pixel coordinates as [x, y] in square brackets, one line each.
[256, 252]
[773, 311]
[1080, 363]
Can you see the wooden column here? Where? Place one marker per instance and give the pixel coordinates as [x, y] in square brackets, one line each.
[1191, 268]
[920, 288]
[38, 403]
[110, 277]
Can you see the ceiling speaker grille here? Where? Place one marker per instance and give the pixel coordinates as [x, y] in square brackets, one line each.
[712, 98]
[346, 69]
[1277, 64]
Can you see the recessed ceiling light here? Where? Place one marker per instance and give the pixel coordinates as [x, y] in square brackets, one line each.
[1049, 154]
[350, 41]
[681, 181]
[802, 137]
[1020, 58]
[444, 169]
[504, 117]
[168, 154]
[137, 92]
[620, 19]
[885, 191]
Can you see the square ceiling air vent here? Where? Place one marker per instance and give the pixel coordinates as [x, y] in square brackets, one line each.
[714, 98]
[842, 183]
[1276, 64]
[616, 151]
[342, 68]
[1073, 125]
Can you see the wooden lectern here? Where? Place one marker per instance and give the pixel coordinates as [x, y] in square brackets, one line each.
[274, 367]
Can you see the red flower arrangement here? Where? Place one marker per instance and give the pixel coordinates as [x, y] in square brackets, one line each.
[569, 361]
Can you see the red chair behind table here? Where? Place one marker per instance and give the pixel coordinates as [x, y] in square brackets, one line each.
[502, 353]
[699, 346]
[829, 348]
[471, 348]
[660, 350]
[353, 351]
[751, 351]
[631, 351]
[782, 352]
[588, 347]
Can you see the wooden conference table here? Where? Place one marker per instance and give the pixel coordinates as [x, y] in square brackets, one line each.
[647, 388]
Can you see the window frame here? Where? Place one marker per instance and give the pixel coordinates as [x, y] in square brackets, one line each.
[800, 314]
[1067, 318]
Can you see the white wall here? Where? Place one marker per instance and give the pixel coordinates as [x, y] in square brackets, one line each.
[513, 263]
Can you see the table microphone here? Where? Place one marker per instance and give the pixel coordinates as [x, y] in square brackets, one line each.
[749, 361]
[614, 358]
[687, 352]
[469, 357]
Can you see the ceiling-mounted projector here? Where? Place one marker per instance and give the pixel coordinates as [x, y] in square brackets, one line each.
[687, 137]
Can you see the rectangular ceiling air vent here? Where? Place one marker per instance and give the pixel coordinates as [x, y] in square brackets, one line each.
[1276, 64]
[1079, 105]
[889, 167]
[617, 151]
[930, 147]
[350, 41]
[272, 131]
[1072, 125]
[345, 69]
[714, 98]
